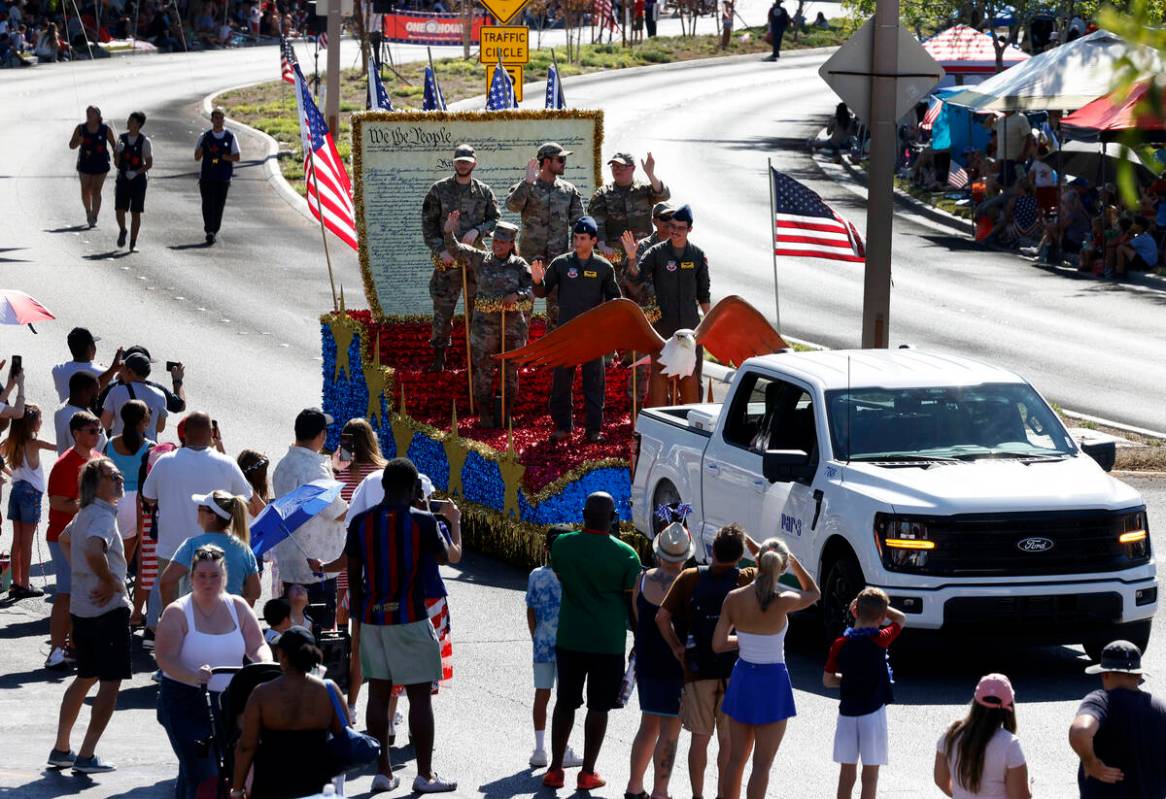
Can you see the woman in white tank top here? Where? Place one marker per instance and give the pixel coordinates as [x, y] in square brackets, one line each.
[760, 698]
[204, 629]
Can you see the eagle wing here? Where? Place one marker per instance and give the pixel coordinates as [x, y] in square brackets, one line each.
[734, 331]
[611, 326]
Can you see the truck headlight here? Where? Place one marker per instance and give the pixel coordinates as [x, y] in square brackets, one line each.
[903, 543]
[1133, 532]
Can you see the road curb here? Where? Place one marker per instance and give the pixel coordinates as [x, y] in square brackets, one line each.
[271, 168]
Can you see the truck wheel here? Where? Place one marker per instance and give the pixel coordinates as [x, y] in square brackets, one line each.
[665, 494]
[1136, 632]
[843, 582]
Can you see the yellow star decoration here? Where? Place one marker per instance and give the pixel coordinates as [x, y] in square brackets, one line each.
[512, 472]
[456, 453]
[375, 377]
[403, 429]
[343, 330]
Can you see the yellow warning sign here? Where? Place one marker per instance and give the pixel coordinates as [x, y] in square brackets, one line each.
[508, 43]
[503, 10]
[515, 72]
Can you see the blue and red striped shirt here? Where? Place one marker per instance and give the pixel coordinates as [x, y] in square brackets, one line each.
[391, 543]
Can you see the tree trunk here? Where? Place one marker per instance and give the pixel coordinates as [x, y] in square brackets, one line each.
[361, 32]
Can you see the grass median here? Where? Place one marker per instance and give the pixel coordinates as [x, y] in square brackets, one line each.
[271, 107]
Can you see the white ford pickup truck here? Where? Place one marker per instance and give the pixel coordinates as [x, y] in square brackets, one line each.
[949, 483]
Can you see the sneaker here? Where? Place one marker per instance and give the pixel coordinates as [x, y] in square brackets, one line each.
[434, 784]
[92, 765]
[382, 784]
[554, 778]
[571, 759]
[56, 659]
[148, 639]
[60, 759]
[121, 238]
[538, 758]
[589, 781]
[133, 245]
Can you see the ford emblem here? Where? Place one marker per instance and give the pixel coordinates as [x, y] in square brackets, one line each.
[1035, 544]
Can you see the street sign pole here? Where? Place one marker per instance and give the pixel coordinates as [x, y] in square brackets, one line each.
[876, 296]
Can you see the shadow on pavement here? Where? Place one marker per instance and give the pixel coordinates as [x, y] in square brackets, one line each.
[519, 783]
[199, 245]
[67, 229]
[18, 679]
[106, 256]
[25, 628]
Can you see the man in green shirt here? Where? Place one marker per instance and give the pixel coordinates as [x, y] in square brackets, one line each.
[597, 572]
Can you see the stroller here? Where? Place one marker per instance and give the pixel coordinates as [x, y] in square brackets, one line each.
[225, 722]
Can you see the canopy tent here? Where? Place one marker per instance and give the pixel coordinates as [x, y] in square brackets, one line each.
[956, 129]
[1107, 117]
[1063, 78]
[964, 50]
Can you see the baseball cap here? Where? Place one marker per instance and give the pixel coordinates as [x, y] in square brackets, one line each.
[138, 364]
[80, 336]
[663, 211]
[1119, 656]
[586, 224]
[995, 691]
[683, 214]
[551, 149]
[138, 348]
[310, 422]
[464, 152]
[622, 158]
[504, 231]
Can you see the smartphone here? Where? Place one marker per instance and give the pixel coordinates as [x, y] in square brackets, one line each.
[436, 506]
[346, 447]
[215, 427]
[172, 365]
[17, 365]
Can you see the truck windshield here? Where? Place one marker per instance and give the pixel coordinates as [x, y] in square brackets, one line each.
[1007, 420]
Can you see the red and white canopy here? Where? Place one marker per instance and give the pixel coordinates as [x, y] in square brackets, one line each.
[964, 50]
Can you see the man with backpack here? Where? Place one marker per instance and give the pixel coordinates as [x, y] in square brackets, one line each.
[687, 618]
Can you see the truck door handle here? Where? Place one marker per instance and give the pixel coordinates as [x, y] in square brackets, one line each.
[818, 495]
[715, 468]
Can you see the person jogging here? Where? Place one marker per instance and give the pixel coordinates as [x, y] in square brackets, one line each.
[135, 157]
[218, 150]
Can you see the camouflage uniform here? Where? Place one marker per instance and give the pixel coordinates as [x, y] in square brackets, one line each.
[548, 212]
[496, 280]
[479, 211]
[619, 208]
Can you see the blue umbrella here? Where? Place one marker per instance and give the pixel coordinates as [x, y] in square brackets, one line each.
[286, 514]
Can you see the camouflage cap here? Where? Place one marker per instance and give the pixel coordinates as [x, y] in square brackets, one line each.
[663, 211]
[622, 158]
[464, 152]
[551, 149]
[504, 231]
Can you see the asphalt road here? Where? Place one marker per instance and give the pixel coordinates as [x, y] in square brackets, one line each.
[243, 317]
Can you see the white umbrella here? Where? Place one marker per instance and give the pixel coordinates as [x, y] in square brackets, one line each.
[1063, 78]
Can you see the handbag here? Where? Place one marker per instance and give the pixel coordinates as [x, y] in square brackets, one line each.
[349, 749]
[769, 37]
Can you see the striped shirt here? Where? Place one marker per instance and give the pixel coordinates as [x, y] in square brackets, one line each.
[389, 543]
[350, 478]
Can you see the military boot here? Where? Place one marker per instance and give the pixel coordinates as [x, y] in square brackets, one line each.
[438, 364]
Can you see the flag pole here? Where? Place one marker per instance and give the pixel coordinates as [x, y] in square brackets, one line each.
[323, 234]
[773, 244]
[503, 419]
[465, 265]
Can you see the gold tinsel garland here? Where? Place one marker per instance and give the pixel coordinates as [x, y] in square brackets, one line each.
[496, 306]
[358, 120]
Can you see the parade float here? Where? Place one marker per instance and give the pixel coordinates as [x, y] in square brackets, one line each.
[510, 482]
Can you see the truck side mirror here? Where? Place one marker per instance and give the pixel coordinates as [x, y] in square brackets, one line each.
[1104, 452]
[787, 465]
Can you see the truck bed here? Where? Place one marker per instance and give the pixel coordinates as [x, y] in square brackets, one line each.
[677, 416]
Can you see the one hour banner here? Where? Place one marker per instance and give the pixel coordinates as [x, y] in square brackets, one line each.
[397, 156]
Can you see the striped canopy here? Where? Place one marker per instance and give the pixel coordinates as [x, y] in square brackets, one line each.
[964, 50]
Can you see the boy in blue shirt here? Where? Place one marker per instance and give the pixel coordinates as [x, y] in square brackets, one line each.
[858, 665]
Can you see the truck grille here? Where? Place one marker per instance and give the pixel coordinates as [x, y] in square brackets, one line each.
[1033, 613]
[1028, 544]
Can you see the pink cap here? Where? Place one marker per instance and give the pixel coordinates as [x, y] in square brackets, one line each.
[995, 690]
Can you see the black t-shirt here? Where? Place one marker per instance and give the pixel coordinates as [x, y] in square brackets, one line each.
[1131, 737]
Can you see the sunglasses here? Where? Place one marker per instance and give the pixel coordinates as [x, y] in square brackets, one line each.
[562, 159]
[117, 477]
[209, 553]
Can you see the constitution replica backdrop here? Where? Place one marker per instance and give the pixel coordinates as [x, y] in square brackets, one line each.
[511, 482]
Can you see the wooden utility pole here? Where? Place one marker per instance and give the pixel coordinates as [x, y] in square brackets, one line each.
[332, 101]
[876, 301]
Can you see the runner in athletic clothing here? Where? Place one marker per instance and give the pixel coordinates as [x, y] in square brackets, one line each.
[95, 140]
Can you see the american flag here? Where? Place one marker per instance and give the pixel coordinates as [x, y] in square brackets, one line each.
[287, 57]
[378, 98]
[501, 96]
[433, 101]
[326, 178]
[932, 113]
[806, 227]
[322, 40]
[604, 12]
[957, 177]
[555, 97]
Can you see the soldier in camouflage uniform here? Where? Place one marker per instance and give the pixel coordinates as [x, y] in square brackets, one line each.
[478, 213]
[503, 283]
[550, 207]
[625, 203]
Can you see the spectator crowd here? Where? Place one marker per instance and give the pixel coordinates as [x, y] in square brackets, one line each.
[161, 545]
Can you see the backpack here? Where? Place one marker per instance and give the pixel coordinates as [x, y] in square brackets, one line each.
[704, 611]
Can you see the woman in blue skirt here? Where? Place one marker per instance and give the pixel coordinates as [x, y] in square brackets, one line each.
[760, 697]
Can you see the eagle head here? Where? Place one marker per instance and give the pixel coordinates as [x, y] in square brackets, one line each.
[678, 358]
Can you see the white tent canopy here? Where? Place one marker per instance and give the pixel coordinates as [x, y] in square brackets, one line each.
[1063, 78]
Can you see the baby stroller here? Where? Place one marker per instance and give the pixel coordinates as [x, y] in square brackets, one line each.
[225, 721]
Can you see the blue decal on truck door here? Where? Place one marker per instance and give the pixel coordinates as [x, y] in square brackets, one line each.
[791, 525]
